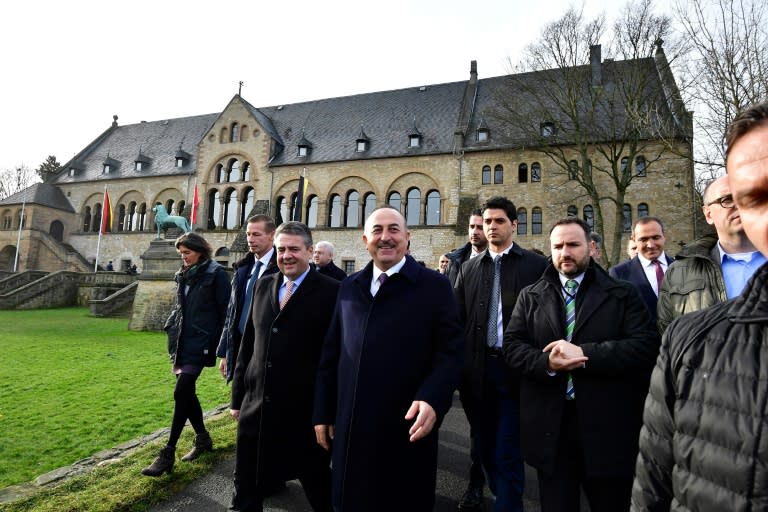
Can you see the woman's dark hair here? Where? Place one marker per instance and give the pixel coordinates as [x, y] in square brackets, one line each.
[195, 242]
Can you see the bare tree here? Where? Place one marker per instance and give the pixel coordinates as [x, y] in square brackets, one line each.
[602, 124]
[16, 180]
[726, 68]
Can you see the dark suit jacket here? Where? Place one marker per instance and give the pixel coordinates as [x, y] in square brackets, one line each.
[613, 330]
[274, 378]
[633, 272]
[381, 354]
[331, 270]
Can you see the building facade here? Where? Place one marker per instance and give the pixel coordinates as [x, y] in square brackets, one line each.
[435, 152]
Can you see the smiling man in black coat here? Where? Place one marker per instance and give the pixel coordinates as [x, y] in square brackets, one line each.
[274, 379]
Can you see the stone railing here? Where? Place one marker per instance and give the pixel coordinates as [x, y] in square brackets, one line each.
[119, 303]
[58, 289]
[13, 281]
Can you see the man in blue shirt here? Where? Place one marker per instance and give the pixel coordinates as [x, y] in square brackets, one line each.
[711, 269]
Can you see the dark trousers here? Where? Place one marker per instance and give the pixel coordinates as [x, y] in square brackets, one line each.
[560, 491]
[499, 436]
[476, 475]
[253, 486]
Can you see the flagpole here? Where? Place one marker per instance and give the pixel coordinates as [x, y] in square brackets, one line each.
[18, 238]
[101, 223]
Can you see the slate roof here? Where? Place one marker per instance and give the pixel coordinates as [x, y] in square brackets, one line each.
[157, 142]
[387, 118]
[42, 194]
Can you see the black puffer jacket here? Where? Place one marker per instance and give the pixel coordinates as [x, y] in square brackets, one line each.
[704, 443]
[195, 324]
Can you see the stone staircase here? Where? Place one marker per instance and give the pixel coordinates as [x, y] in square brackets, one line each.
[119, 303]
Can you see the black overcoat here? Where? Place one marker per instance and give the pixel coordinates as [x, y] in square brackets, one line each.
[380, 355]
[274, 378]
[614, 331]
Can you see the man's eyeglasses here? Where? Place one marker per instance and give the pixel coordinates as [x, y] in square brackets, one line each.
[726, 201]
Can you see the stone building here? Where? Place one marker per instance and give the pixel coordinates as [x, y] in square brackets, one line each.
[433, 151]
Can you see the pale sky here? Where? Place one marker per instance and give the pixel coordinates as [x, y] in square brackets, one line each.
[69, 66]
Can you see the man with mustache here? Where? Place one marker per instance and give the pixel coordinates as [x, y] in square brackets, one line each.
[584, 347]
[389, 367]
[486, 290]
[714, 268]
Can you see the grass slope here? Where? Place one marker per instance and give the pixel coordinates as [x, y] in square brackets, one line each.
[72, 385]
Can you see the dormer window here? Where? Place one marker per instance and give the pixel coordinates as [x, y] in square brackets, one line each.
[138, 165]
[482, 135]
[105, 169]
[361, 144]
[547, 129]
[109, 164]
[304, 147]
[142, 162]
[72, 172]
[75, 168]
[414, 141]
[182, 157]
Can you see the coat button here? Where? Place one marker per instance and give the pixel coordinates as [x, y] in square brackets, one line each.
[267, 399]
[274, 329]
[269, 364]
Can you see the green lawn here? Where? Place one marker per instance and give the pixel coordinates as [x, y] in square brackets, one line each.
[72, 385]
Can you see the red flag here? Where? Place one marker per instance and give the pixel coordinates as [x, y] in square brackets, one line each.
[195, 203]
[106, 214]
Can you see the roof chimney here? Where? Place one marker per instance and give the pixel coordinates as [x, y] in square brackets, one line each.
[473, 72]
[595, 56]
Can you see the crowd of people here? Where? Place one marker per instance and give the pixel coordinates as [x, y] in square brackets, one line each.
[638, 386]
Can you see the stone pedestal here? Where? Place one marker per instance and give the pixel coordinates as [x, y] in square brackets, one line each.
[156, 293]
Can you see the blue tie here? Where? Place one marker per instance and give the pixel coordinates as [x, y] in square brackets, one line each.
[570, 322]
[493, 304]
[246, 310]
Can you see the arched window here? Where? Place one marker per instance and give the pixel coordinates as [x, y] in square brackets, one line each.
[293, 206]
[230, 210]
[432, 212]
[247, 206]
[57, 230]
[233, 171]
[96, 225]
[180, 207]
[281, 210]
[498, 175]
[369, 204]
[246, 172]
[214, 208]
[86, 220]
[130, 217]
[121, 217]
[572, 211]
[352, 217]
[536, 220]
[642, 210]
[589, 216]
[312, 212]
[395, 201]
[486, 175]
[169, 206]
[627, 218]
[219, 173]
[522, 221]
[141, 224]
[413, 207]
[640, 166]
[573, 170]
[535, 172]
[625, 167]
[235, 133]
[522, 173]
[334, 213]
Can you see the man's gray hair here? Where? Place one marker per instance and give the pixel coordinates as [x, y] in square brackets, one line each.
[324, 244]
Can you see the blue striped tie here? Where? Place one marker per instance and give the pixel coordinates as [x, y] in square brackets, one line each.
[570, 323]
[245, 312]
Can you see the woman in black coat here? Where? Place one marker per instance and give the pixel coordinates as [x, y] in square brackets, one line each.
[194, 328]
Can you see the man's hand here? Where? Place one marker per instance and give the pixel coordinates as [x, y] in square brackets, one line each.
[223, 367]
[564, 356]
[425, 419]
[235, 413]
[324, 435]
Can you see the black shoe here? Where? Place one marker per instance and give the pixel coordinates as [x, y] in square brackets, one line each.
[203, 443]
[162, 464]
[472, 499]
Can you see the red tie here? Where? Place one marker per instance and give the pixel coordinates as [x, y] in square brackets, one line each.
[659, 275]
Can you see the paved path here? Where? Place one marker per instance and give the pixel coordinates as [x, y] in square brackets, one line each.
[212, 493]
